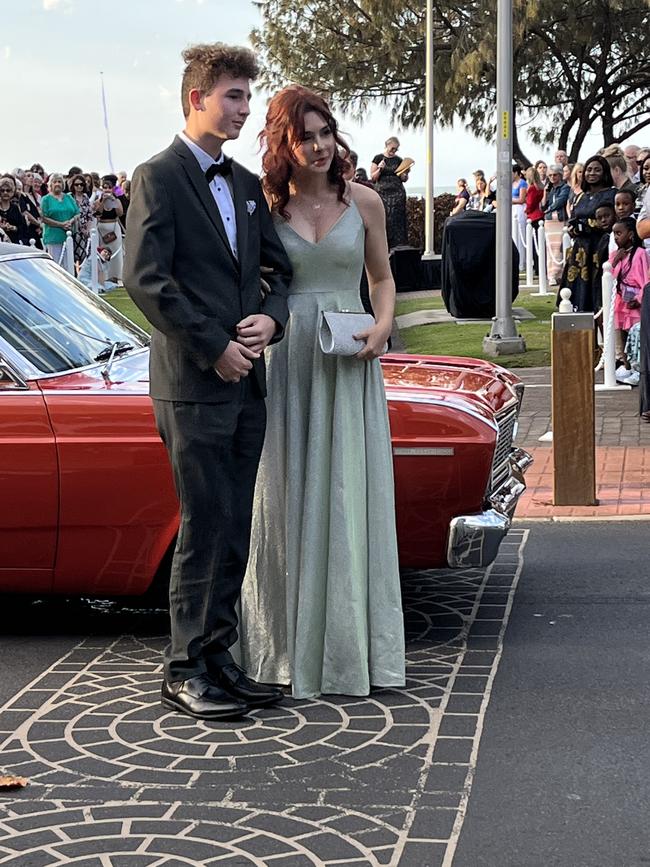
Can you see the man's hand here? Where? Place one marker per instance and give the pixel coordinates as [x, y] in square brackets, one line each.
[233, 364]
[255, 332]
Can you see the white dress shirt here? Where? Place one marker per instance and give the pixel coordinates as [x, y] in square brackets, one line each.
[220, 189]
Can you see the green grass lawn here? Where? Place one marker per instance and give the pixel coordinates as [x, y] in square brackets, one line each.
[119, 299]
[453, 339]
[445, 339]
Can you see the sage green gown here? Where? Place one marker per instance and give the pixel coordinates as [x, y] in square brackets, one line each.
[321, 605]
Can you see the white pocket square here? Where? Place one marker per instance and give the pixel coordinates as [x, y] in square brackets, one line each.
[250, 206]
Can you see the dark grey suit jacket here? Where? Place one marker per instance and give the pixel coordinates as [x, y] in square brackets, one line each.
[181, 272]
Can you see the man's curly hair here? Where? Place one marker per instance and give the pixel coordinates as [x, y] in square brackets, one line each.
[206, 63]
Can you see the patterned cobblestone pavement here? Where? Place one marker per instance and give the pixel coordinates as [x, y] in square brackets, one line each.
[118, 781]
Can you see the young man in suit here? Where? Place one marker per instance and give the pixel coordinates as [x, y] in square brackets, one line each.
[199, 232]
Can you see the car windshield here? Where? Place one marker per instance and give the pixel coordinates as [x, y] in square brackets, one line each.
[53, 322]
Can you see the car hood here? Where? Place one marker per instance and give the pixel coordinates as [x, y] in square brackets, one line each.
[478, 382]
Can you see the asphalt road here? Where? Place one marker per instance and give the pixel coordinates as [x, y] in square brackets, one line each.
[521, 739]
[564, 766]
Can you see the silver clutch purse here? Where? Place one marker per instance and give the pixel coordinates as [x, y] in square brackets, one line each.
[337, 328]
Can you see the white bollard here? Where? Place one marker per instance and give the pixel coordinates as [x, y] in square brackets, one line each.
[69, 253]
[609, 338]
[541, 256]
[515, 234]
[94, 266]
[565, 305]
[32, 243]
[530, 277]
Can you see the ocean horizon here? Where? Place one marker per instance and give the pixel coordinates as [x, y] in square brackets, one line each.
[437, 190]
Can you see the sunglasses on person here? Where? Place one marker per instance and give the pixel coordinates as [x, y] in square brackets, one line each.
[78, 184]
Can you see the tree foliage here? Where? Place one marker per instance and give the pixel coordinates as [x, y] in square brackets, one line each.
[576, 63]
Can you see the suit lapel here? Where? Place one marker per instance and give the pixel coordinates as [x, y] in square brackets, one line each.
[241, 210]
[202, 189]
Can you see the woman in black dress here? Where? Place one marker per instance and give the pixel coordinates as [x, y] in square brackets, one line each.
[28, 203]
[581, 268]
[390, 187]
[11, 218]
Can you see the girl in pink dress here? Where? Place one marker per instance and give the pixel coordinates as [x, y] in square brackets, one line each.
[630, 271]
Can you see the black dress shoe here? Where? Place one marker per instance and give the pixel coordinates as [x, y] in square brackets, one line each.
[201, 698]
[234, 681]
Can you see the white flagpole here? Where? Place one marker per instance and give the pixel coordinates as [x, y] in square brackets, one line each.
[108, 134]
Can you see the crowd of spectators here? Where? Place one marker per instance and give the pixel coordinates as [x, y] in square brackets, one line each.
[39, 208]
[599, 202]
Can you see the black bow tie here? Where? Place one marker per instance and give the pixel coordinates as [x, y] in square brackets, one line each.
[223, 168]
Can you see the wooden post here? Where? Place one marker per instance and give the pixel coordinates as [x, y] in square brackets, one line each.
[574, 418]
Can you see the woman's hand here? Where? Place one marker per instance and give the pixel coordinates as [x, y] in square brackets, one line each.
[375, 338]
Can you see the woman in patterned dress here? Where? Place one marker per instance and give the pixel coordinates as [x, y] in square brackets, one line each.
[390, 187]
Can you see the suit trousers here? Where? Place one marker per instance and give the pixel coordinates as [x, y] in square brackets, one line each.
[214, 449]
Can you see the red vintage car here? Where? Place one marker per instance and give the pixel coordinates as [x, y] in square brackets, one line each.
[88, 506]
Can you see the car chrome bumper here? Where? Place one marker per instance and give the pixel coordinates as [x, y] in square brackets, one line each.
[474, 539]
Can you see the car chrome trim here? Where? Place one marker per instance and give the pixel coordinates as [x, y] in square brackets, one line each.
[474, 539]
[95, 364]
[20, 384]
[461, 406]
[424, 451]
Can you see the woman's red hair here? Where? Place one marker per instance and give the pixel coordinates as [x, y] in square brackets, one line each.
[283, 131]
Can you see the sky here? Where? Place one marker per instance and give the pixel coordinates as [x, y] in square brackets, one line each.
[52, 55]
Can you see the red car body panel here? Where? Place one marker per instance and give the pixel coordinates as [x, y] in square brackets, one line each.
[118, 507]
[29, 502]
[432, 488]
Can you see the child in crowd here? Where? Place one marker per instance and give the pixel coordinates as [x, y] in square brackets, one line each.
[624, 203]
[630, 272]
[605, 218]
[85, 276]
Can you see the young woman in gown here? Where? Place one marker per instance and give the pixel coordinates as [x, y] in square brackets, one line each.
[321, 604]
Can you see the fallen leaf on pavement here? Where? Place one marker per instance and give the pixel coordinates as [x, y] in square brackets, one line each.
[8, 781]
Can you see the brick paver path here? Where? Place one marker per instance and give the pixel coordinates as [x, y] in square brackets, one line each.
[119, 781]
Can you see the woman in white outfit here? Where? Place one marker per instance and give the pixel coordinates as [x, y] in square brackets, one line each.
[108, 213]
[519, 188]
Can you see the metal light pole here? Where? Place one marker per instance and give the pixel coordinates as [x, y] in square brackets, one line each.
[503, 338]
[428, 200]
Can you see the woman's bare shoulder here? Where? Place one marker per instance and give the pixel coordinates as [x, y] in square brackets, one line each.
[366, 199]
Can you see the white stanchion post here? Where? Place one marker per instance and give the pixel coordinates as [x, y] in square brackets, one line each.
[541, 257]
[530, 277]
[32, 243]
[69, 253]
[566, 243]
[94, 266]
[541, 253]
[609, 344]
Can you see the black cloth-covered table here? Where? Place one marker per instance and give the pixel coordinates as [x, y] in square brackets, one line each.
[469, 265]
